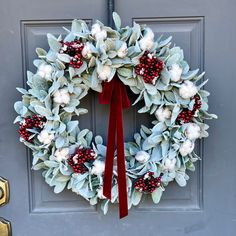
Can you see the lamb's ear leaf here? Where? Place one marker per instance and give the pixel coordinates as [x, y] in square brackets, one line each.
[156, 195]
[53, 43]
[136, 197]
[117, 20]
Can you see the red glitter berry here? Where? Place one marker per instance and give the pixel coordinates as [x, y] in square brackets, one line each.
[186, 115]
[148, 183]
[34, 122]
[77, 160]
[197, 105]
[149, 68]
[74, 49]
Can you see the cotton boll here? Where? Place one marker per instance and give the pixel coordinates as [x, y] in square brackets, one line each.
[193, 131]
[98, 32]
[146, 43]
[162, 114]
[57, 97]
[104, 72]
[122, 52]
[101, 35]
[169, 164]
[175, 72]
[87, 52]
[45, 138]
[45, 71]
[61, 97]
[98, 167]
[100, 193]
[187, 90]
[65, 96]
[96, 28]
[142, 156]
[62, 154]
[186, 147]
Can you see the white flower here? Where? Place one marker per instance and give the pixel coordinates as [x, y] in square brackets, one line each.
[175, 72]
[87, 52]
[45, 138]
[142, 156]
[147, 42]
[169, 164]
[187, 90]
[98, 32]
[104, 72]
[100, 193]
[186, 147]
[193, 131]
[122, 51]
[162, 114]
[61, 96]
[45, 71]
[62, 154]
[98, 167]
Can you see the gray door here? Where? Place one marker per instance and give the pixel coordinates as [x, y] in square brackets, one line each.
[207, 206]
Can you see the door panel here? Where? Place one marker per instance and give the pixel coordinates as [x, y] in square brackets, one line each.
[207, 205]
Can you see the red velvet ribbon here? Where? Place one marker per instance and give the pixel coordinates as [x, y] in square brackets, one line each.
[115, 94]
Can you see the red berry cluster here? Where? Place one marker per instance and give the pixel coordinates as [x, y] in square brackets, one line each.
[77, 160]
[149, 68]
[148, 183]
[74, 49]
[186, 115]
[35, 121]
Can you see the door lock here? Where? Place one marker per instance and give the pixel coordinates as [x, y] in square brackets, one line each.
[4, 191]
[5, 227]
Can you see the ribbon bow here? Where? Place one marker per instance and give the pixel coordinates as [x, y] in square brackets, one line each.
[115, 94]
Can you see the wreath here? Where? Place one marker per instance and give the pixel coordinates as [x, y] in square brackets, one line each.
[107, 61]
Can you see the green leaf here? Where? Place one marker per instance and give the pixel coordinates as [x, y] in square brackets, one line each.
[125, 72]
[64, 57]
[39, 166]
[81, 111]
[136, 197]
[179, 178]
[42, 111]
[102, 149]
[156, 195]
[164, 42]
[51, 164]
[41, 52]
[71, 125]
[53, 43]
[117, 20]
[18, 106]
[60, 186]
[21, 90]
[98, 140]
[60, 142]
[156, 154]
[76, 26]
[104, 206]
[173, 59]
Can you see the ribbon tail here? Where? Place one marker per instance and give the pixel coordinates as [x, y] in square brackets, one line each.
[107, 182]
[121, 169]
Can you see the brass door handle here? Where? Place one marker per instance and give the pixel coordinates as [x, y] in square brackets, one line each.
[4, 191]
[5, 227]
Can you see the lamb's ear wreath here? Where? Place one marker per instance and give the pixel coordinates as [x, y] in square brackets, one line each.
[107, 61]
